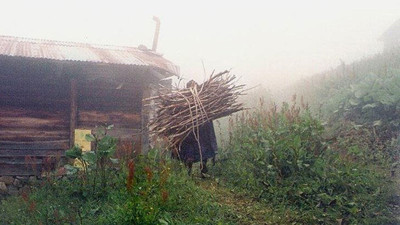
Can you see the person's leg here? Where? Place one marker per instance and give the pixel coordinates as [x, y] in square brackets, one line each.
[204, 166]
[189, 167]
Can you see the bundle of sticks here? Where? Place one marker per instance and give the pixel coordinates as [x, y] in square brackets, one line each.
[182, 111]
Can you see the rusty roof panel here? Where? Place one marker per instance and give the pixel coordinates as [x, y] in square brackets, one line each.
[70, 51]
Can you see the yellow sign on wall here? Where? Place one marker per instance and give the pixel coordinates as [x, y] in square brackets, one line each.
[80, 139]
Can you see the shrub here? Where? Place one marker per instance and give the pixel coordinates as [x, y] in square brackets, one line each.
[279, 156]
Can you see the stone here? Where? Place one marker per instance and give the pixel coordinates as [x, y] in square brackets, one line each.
[32, 179]
[23, 179]
[12, 190]
[7, 179]
[24, 189]
[3, 188]
[17, 183]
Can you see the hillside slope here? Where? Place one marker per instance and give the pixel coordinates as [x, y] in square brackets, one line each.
[366, 92]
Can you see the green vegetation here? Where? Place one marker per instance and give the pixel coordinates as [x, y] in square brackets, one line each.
[277, 168]
[366, 93]
[280, 157]
[147, 190]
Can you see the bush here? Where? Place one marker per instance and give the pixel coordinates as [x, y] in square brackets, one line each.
[280, 157]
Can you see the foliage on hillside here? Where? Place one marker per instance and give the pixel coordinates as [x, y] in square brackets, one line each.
[366, 93]
[281, 157]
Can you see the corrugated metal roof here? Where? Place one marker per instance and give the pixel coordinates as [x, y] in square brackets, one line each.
[71, 51]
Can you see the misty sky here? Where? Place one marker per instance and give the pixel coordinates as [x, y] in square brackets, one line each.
[269, 42]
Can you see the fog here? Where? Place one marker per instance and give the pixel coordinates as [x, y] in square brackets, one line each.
[270, 42]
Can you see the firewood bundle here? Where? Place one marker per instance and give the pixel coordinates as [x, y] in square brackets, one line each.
[182, 111]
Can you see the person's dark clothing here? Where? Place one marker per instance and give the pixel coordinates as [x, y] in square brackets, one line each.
[189, 151]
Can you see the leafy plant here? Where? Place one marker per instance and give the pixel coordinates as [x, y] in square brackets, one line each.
[99, 160]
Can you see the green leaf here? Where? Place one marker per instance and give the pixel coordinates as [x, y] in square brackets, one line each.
[90, 137]
[360, 93]
[113, 160]
[353, 210]
[354, 101]
[106, 146]
[370, 106]
[297, 142]
[74, 152]
[95, 210]
[70, 169]
[90, 157]
[109, 127]
[163, 222]
[377, 123]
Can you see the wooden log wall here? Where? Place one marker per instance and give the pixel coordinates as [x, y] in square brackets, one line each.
[113, 94]
[34, 121]
[24, 124]
[110, 103]
[37, 116]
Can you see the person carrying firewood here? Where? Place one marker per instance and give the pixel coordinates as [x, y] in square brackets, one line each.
[184, 118]
[199, 146]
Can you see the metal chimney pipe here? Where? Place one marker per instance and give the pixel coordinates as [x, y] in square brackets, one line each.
[156, 33]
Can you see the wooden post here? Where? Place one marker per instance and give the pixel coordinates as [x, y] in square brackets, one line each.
[144, 139]
[73, 111]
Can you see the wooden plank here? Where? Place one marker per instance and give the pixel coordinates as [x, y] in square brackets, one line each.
[19, 170]
[108, 97]
[32, 82]
[101, 91]
[105, 84]
[73, 112]
[43, 145]
[20, 160]
[29, 160]
[124, 133]
[33, 102]
[110, 104]
[89, 125]
[32, 135]
[48, 91]
[32, 152]
[33, 123]
[22, 111]
[89, 119]
[148, 91]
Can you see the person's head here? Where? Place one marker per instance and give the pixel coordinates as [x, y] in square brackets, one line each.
[191, 84]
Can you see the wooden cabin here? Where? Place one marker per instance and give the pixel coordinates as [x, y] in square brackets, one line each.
[50, 89]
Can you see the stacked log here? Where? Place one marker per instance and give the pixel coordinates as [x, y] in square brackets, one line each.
[182, 111]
